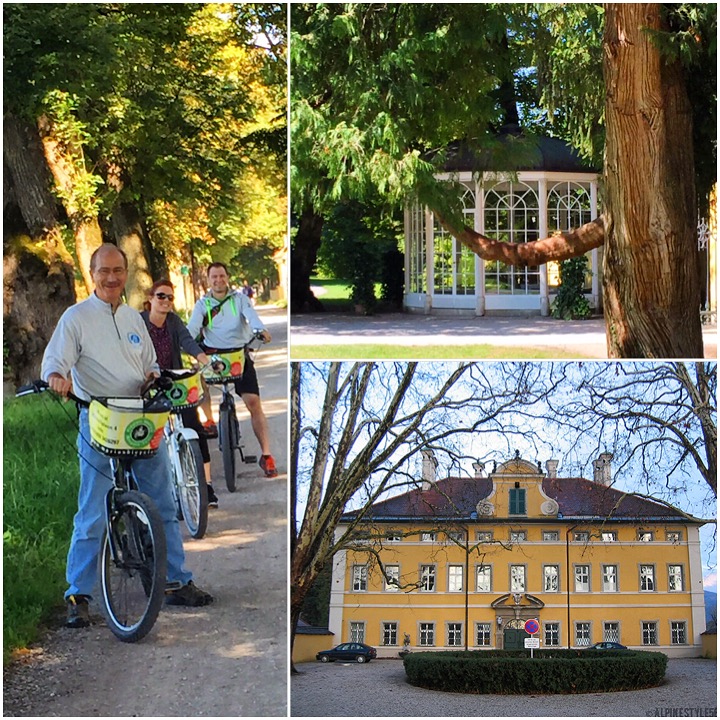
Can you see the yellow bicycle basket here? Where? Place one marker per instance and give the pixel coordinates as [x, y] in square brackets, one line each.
[120, 426]
[233, 362]
[186, 391]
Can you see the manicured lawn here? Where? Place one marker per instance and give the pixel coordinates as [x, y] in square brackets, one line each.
[425, 352]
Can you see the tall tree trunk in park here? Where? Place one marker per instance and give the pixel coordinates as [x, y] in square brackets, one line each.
[651, 286]
[67, 167]
[38, 273]
[302, 261]
[128, 229]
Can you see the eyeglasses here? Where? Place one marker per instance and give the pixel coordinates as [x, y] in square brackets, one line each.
[164, 296]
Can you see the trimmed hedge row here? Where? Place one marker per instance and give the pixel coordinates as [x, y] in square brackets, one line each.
[509, 672]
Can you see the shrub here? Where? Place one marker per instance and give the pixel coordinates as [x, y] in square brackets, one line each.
[504, 672]
[570, 302]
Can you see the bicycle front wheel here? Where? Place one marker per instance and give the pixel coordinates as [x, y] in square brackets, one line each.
[133, 567]
[192, 489]
[228, 442]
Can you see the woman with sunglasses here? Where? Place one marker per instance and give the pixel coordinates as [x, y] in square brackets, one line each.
[170, 336]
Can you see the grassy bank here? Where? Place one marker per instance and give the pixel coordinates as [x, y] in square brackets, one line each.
[40, 483]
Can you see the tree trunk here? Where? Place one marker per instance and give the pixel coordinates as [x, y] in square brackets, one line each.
[88, 236]
[302, 261]
[651, 286]
[130, 236]
[38, 274]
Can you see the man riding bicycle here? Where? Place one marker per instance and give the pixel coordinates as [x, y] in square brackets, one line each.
[226, 319]
[102, 348]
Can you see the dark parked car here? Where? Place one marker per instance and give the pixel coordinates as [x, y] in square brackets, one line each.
[608, 646]
[357, 652]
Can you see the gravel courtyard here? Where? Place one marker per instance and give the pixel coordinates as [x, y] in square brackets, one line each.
[379, 689]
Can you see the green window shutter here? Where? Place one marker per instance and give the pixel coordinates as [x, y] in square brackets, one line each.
[517, 501]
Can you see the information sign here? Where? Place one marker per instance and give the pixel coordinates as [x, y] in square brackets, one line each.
[532, 643]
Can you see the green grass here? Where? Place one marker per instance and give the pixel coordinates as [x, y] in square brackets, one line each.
[424, 352]
[40, 485]
[336, 295]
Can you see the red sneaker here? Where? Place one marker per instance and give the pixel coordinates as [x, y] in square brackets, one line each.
[267, 465]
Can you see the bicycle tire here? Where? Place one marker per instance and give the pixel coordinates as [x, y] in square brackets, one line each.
[228, 441]
[192, 489]
[132, 587]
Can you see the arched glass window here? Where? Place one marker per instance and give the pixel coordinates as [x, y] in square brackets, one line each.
[416, 260]
[512, 215]
[568, 207]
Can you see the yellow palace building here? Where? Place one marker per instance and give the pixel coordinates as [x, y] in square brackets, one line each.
[465, 562]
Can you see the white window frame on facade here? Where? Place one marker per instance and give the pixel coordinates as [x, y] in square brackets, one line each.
[456, 536]
[676, 628]
[516, 586]
[428, 578]
[426, 634]
[611, 631]
[606, 586]
[584, 639]
[454, 634]
[609, 536]
[548, 576]
[676, 573]
[578, 574]
[517, 536]
[649, 631]
[456, 573]
[551, 630]
[479, 570]
[484, 536]
[673, 536]
[360, 578]
[647, 577]
[551, 536]
[581, 536]
[483, 631]
[393, 536]
[645, 536]
[357, 631]
[389, 629]
[430, 536]
[392, 572]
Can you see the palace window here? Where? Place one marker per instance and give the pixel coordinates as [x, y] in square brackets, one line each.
[457, 536]
[455, 578]
[482, 634]
[678, 635]
[582, 634]
[609, 578]
[454, 635]
[359, 578]
[428, 536]
[649, 633]
[609, 536]
[675, 578]
[551, 578]
[582, 578]
[673, 536]
[647, 577]
[611, 632]
[517, 578]
[552, 634]
[551, 536]
[427, 578]
[484, 578]
[393, 537]
[518, 536]
[581, 536]
[392, 578]
[484, 536]
[645, 536]
[427, 634]
[517, 501]
[390, 633]
[357, 632]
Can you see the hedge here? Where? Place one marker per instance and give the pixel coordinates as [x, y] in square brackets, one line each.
[507, 672]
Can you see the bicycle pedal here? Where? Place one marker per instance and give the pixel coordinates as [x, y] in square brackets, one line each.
[250, 459]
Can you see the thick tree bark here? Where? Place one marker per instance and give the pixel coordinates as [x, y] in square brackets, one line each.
[87, 232]
[651, 285]
[302, 261]
[130, 236]
[38, 274]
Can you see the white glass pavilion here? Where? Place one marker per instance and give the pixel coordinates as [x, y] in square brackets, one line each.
[556, 193]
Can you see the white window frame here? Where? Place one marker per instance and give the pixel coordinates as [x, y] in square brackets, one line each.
[645, 536]
[428, 577]
[389, 628]
[357, 631]
[523, 577]
[426, 633]
[647, 579]
[478, 570]
[393, 537]
[453, 576]
[673, 536]
[483, 630]
[554, 533]
[454, 631]
[609, 536]
[680, 574]
[577, 569]
[608, 633]
[484, 536]
[393, 572]
[554, 629]
[605, 587]
[586, 627]
[360, 578]
[581, 536]
[648, 627]
[677, 626]
[429, 536]
[518, 536]
[546, 577]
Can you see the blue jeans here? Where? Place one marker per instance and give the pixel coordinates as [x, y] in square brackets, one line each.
[153, 478]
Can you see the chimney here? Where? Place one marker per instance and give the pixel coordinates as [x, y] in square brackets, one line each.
[552, 466]
[478, 467]
[602, 470]
[429, 465]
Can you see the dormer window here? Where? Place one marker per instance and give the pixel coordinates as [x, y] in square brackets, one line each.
[517, 501]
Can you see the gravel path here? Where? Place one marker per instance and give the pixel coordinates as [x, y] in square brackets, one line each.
[379, 689]
[225, 660]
